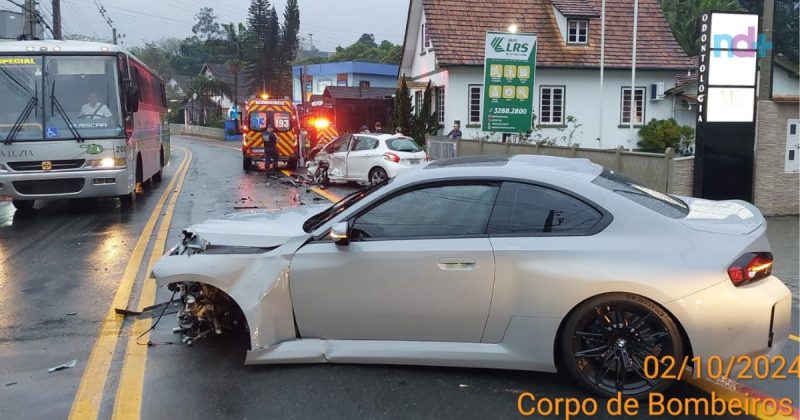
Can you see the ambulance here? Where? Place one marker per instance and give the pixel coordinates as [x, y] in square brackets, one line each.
[259, 114]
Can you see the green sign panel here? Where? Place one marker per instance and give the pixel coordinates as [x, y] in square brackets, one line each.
[508, 86]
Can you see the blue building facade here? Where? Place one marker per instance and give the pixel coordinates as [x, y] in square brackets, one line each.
[348, 73]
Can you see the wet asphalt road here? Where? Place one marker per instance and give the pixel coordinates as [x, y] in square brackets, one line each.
[60, 268]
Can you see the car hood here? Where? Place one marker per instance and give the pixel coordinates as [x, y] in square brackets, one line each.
[258, 229]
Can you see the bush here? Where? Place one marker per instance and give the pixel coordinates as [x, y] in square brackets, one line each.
[658, 135]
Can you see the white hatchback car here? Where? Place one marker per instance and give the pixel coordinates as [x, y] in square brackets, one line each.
[368, 158]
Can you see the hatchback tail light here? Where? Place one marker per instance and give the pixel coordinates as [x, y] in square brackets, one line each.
[391, 157]
[750, 267]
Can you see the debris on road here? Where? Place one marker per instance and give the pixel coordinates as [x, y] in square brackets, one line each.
[70, 364]
[245, 207]
[71, 313]
[11, 383]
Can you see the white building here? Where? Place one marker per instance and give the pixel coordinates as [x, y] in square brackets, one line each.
[444, 44]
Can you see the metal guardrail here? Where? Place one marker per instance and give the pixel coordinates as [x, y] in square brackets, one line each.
[440, 147]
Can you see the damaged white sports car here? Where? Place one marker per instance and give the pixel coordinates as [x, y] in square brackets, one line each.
[528, 262]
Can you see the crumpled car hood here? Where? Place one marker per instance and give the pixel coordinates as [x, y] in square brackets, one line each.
[258, 230]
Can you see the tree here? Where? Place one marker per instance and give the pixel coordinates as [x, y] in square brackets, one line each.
[658, 135]
[235, 36]
[263, 34]
[402, 117]
[156, 58]
[365, 49]
[289, 43]
[683, 17]
[206, 23]
[426, 121]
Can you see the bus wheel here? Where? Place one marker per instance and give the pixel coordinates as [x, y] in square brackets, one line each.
[247, 164]
[160, 174]
[23, 205]
[128, 199]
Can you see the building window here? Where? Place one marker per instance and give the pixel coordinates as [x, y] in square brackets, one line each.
[551, 105]
[440, 104]
[577, 31]
[475, 92]
[418, 98]
[425, 39]
[363, 83]
[638, 102]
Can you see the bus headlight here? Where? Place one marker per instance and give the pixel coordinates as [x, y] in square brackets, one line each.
[106, 163]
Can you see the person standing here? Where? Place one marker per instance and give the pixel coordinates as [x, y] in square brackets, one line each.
[270, 150]
[455, 133]
[379, 128]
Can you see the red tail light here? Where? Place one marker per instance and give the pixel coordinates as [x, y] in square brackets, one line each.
[244, 128]
[391, 157]
[750, 267]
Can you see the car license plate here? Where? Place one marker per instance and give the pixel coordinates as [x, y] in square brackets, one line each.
[258, 150]
[414, 161]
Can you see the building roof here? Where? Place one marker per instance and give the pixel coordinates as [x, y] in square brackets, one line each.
[223, 72]
[355, 92]
[577, 8]
[458, 29]
[350, 67]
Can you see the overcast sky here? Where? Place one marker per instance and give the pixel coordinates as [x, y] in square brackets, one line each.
[332, 22]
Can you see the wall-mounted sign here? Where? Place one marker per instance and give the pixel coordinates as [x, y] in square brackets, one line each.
[508, 80]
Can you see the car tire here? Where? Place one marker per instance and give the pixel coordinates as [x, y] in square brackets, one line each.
[321, 177]
[160, 174]
[617, 330]
[23, 205]
[247, 164]
[377, 175]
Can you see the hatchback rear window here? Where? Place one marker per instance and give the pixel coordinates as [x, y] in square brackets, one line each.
[662, 203]
[402, 144]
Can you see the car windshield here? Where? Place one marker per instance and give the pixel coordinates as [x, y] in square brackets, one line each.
[664, 204]
[47, 94]
[314, 222]
[402, 144]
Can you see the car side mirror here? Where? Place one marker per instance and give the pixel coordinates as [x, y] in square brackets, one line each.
[132, 99]
[340, 233]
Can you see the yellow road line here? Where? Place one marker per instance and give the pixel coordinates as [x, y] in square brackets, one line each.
[794, 337]
[128, 401]
[90, 391]
[729, 392]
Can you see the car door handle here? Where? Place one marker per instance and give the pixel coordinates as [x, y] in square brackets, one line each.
[457, 264]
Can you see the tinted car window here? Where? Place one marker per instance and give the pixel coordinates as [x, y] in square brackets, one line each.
[450, 210]
[662, 203]
[402, 144]
[530, 209]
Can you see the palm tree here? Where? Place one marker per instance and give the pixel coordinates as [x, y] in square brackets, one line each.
[235, 35]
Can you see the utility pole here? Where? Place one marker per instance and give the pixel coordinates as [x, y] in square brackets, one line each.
[57, 34]
[29, 12]
[114, 35]
[765, 52]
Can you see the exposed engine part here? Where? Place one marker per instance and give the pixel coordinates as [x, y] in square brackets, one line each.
[205, 309]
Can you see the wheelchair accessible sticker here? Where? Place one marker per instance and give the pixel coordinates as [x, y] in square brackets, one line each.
[52, 132]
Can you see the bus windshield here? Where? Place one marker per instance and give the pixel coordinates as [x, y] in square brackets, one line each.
[85, 88]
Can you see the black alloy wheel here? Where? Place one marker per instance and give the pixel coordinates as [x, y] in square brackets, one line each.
[608, 339]
[377, 175]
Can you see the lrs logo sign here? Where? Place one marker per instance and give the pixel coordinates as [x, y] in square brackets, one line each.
[499, 45]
